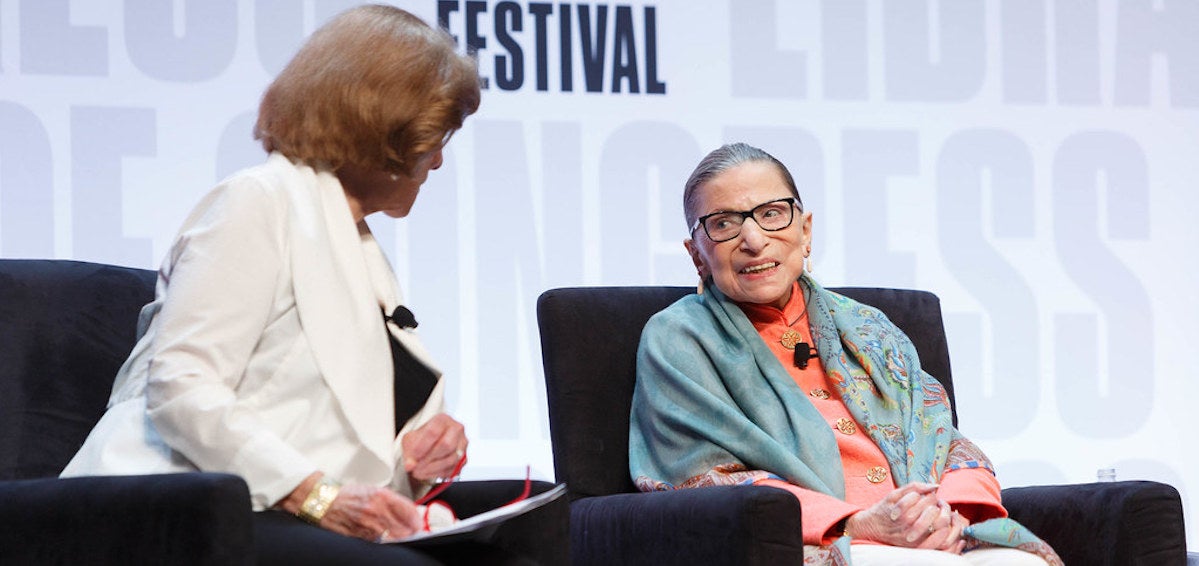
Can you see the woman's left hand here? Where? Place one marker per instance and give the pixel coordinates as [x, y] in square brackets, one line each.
[434, 449]
[946, 531]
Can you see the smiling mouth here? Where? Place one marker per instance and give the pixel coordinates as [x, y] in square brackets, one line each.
[759, 268]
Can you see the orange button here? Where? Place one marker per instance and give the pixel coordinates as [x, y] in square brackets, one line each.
[790, 338]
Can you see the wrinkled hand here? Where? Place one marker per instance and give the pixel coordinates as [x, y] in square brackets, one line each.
[912, 517]
[361, 511]
[433, 450]
[947, 536]
[372, 513]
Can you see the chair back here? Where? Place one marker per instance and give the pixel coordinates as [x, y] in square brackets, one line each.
[589, 339]
[65, 329]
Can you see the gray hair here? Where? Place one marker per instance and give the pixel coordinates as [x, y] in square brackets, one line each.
[722, 159]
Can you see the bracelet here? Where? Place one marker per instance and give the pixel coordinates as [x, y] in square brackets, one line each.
[843, 528]
[319, 499]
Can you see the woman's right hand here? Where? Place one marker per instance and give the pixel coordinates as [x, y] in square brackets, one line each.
[372, 513]
[362, 511]
[911, 516]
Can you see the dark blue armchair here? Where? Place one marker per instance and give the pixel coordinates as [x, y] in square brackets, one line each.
[589, 340]
[65, 329]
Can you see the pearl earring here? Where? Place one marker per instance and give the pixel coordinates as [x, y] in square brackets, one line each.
[395, 176]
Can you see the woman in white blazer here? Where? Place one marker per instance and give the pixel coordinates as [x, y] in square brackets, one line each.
[266, 352]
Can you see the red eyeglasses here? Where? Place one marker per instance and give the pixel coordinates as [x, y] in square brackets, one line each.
[428, 499]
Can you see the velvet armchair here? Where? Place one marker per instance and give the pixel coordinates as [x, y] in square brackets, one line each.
[65, 329]
[589, 339]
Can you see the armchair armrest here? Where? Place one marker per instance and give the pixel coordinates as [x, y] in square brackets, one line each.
[711, 525]
[1131, 522]
[190, 518]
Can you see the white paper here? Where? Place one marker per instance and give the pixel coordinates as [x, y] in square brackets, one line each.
[488, 518]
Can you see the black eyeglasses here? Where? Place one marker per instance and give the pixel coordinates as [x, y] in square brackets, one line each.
[771, 216]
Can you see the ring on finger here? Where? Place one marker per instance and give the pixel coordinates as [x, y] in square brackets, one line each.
[383, 536]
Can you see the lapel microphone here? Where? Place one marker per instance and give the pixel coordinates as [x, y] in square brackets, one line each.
[803, 353]
[403, 317]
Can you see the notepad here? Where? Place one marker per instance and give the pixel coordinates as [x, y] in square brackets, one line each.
[482, 526]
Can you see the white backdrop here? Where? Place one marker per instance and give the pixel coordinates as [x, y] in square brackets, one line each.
[1033, 163]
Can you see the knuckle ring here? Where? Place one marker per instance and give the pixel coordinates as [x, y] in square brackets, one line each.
[383, 535]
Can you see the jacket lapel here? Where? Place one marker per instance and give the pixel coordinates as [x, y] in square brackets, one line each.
[390, 297]
[339, 310]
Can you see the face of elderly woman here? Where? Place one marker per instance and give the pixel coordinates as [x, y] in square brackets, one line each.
[408, 186]
[370, 191]
[757, 266]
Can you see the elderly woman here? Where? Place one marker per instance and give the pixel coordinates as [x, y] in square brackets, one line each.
[269, 351]
[766, 378]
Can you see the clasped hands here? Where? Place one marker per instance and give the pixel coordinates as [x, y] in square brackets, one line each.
[375, 513]
[911, 516]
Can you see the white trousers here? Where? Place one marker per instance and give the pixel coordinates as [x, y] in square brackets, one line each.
[877, 555]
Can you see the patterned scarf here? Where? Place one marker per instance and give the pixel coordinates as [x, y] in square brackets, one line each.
[714, 405]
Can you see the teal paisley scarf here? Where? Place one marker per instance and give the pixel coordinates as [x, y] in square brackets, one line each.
[713, 405]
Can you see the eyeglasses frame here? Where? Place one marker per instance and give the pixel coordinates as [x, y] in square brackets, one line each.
[745, 214]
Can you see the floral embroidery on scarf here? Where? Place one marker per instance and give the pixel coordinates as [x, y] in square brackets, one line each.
[742, 406]
[723, 474]
[1006, 533]
[965, 454]
[823, 556]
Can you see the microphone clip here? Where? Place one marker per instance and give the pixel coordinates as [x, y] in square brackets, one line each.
[803, 353]
[403, 317]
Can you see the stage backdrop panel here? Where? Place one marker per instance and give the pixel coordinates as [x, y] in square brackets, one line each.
[1033, 163]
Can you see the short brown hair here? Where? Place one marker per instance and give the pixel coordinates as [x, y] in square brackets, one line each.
[374, 87]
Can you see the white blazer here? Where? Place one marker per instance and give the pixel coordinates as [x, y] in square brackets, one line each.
[264, 353]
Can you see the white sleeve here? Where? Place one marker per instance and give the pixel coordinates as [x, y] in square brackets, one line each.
[221, 283]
